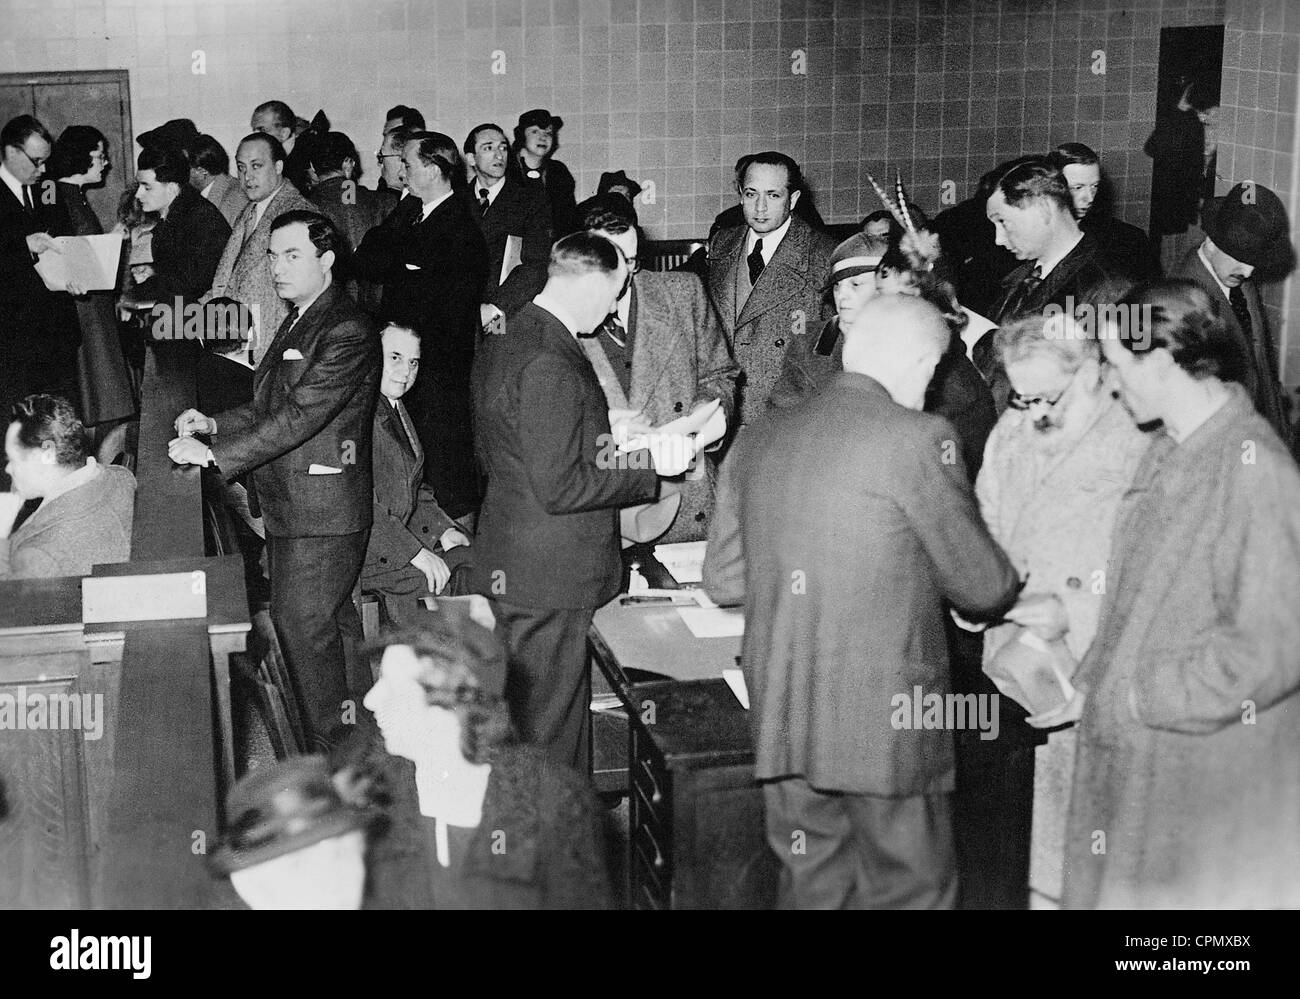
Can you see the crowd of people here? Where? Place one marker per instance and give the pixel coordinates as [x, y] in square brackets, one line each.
[993, 456]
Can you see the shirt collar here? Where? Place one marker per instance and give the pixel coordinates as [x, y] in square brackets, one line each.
[771, 240]
[12, 182]
[548, 302]
[492, 190]
[261, 206]
[207, 190]
[430, 206]
[1048, 264]
[1200, 252]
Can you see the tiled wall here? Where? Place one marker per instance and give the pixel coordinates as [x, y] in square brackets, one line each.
[673, 91]
[1261, 95]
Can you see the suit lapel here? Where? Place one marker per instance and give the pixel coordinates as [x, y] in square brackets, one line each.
[722, 272]
[654, 341]
[782, 278]
[284, 339]
[1061, 275]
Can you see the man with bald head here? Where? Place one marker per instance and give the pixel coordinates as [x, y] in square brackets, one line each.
[843, 524]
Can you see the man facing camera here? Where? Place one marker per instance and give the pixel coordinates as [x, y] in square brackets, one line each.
[401, 564]
[306, 439]
[548, 551]
[843, 523]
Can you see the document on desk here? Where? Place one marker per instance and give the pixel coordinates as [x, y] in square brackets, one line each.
[90, 261]
[713, 622]
[683, 560]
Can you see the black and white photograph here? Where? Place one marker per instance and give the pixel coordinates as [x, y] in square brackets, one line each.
[651, 455]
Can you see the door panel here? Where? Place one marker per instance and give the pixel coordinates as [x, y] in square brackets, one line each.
[100, 103]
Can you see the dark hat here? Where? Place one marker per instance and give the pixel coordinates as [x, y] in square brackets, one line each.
[541, 118]
[620, 179]
[178, 133]
[283, 807]
[452, 639]
[1248, 224]
[856, 255]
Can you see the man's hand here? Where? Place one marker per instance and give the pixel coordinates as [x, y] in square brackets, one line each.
[492, 319]
[435, 569]
[39, 242]
[625, 423]
[453, 537]
[140, 273]
[193, 422]
[1070, 711]
[10, 504]
[1042, 613]
[672, 453]
[188, 451]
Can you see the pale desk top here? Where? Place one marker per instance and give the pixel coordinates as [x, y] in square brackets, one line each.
[655, 639]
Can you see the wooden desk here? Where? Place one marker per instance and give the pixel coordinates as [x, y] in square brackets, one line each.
[696, 833]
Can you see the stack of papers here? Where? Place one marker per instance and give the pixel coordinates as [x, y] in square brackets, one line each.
[684, 560]
[91, 261]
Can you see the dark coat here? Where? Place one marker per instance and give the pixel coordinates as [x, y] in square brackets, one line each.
[1180, 177]
[554, 847]
[1259, 351]
[548, 531]
[519, 210]
[1126, 246]
[407, 516]
[317, 410]
[1187, 755]
[787, 301]
[354, 210]
[187, 246]
[106, 393]
[560, 187]
[680, 360]
[978, 263]
[432, 271]
[843, 526]
[957, 392]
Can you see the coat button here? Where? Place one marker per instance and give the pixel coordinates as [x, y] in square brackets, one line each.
[383, 561]
[677, 407]
[425, 529]
[700, 516]
[1074, 582]
[780, 343]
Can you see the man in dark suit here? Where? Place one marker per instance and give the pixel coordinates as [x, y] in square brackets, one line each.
[766, 276]
[410, 529]
[188, 240]
[1061, 265]
[547, 545]
[39, 332]
[1126, 246]
[843, 523]
[400, 118]
[1245, 230]
[306, 439]
[516, 223]
[431, 260]
[666, 352]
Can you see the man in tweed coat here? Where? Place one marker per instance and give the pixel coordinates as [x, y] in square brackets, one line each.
[766, 276]
[667, 350]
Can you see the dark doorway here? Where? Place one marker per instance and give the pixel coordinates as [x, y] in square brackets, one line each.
[1183, 144]
[101, 98]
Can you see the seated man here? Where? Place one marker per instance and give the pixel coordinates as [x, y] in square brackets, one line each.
[401, 565]
[85, 515]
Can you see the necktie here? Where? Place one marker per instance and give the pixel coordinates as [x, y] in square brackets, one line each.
[1020, 295]
[250, 225]
[27, 200]
[483, 202]
[755, 259]
[1237, 299]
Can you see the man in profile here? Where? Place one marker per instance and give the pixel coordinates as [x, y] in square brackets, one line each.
[305, 438]
[843, 523]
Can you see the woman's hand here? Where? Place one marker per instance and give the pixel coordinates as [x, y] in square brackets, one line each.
[1068, 712]
[1042, 613]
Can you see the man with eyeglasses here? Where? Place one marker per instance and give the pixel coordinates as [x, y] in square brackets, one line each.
[39, 331]
[664, 349]
[1054, 470]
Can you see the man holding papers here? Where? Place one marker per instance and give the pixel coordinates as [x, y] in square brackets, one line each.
[306, 439]
[662, 357]
[547, 542]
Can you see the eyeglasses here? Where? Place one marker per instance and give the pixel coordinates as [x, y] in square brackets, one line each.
[36, 163]
[381, 155]
[1017, 401]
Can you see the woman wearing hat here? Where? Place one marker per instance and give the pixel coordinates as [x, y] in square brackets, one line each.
[1187, 781]
[477, 820]
[536, 140]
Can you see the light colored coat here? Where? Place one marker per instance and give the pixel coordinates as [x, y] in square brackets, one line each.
[244, 274]
[1188, 771]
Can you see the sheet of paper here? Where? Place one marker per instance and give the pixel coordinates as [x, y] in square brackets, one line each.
[736, 681]
[706, 422]
[684, 560]
[713, 622]
[514, 256]
[91, 261]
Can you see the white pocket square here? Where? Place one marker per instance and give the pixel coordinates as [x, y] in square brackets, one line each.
[413, 267]
[292, 355]
[316, 469]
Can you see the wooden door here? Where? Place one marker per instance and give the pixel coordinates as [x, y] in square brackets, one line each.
[101, 98]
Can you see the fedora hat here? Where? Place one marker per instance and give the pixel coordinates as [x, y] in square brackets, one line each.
[177, 133]
[1248, 224]
[281, 808]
